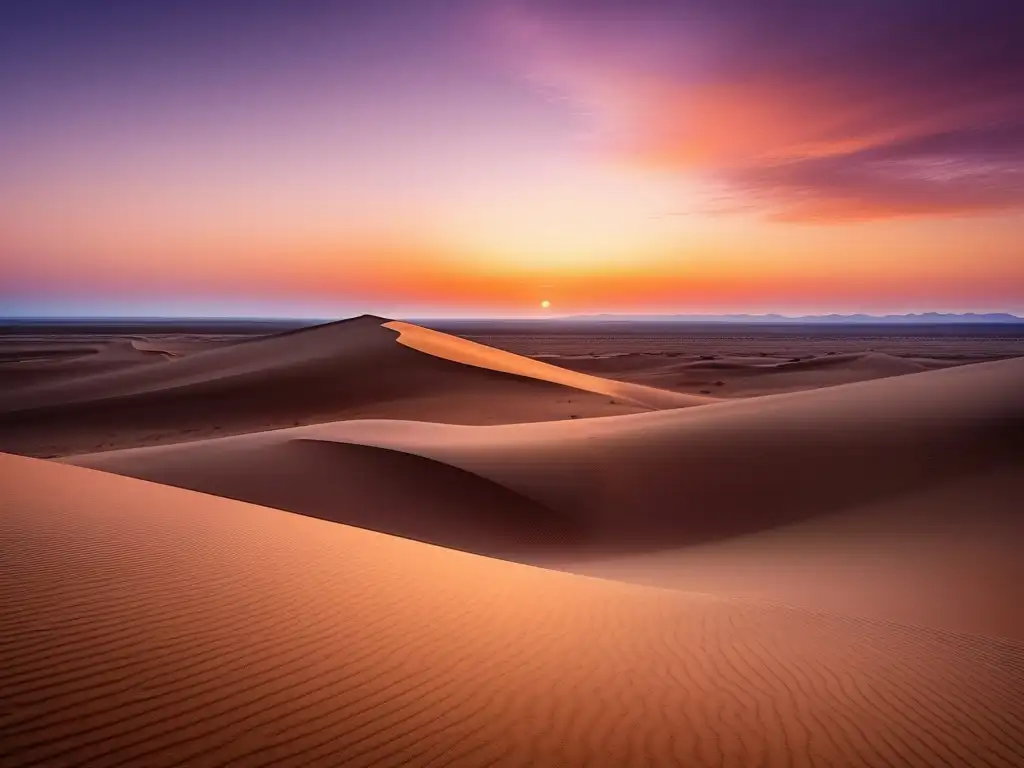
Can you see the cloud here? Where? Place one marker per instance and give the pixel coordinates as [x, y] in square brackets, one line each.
[814, 110]
[958, 171]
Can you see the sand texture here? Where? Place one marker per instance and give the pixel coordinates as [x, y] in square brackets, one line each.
[150, 625]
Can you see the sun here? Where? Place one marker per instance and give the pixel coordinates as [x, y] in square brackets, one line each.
[545, 303]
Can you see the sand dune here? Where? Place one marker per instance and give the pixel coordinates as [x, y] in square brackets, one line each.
[364, 340]
[334, 371]
[801, 453]
[149, 625]
[622, 486]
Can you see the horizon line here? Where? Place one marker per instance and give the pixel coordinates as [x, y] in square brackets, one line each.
[733, 317]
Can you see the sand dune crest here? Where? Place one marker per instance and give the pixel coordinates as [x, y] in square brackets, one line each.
[459, 350]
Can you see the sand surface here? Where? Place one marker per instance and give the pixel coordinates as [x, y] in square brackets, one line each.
[448, 347]
[818, 564]
[149, 625]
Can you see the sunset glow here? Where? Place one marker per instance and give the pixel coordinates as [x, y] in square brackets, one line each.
[421, 157]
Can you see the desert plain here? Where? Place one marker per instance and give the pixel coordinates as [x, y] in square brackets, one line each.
[377, 542]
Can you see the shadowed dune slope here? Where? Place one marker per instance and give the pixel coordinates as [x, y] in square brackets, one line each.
[323, 373]
[389, 491]
[181, 346]
[146, 625]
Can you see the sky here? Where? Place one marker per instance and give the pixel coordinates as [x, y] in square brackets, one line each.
[307, 158]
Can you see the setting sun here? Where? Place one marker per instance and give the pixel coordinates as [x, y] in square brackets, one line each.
[545, 304]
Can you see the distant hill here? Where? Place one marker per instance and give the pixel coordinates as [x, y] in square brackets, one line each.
[925, 317]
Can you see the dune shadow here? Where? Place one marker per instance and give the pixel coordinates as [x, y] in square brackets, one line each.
[378, 489]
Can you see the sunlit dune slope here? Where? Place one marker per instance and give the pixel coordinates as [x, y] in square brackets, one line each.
[146, 625]
[459, 350]
[317, 374]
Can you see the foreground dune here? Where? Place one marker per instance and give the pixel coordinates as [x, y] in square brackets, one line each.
[937, 452]
[334, 371]
[146, 625]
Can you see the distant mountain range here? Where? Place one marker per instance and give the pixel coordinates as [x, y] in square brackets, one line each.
[925, 317]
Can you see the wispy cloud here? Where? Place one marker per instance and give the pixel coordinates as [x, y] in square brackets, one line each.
[957, 171]
[813, 110]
